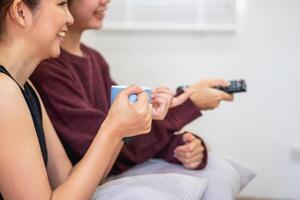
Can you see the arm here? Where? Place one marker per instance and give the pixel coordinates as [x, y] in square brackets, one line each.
[161, 140]
[81, 181]
[112, 162]
[20, 152]
[203, 97]
[22, 162]
[124, 119]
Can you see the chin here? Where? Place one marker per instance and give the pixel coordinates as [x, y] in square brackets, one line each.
[55, 53]
[97, 25]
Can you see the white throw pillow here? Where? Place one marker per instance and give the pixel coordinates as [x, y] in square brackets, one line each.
[152, 187]
[226, 177]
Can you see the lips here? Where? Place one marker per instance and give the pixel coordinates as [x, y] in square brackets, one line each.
[61, 36]
[100, 13]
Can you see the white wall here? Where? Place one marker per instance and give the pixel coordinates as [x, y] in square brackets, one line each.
[259, 128]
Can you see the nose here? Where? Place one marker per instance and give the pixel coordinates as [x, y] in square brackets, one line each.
[70, 19]
[104, 2]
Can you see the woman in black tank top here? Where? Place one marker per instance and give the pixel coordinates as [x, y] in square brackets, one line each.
[30, 31]
[35, 111]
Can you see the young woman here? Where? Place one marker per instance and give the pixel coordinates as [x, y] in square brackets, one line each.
[33, 163]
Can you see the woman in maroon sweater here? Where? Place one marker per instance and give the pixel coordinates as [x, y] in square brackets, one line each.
[76, 90]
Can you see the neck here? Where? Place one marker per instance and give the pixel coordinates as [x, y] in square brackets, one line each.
[18, 61]
[72, 42]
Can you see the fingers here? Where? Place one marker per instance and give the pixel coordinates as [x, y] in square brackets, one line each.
[169, 94]
[163, 90]
[160, 107]
[142, 98]
[217, 82]
[192, 165]
[160, 101]
[192, 162]
[176, 101]
[190, 154]
[133, 89]
[220, 82]
[188, 137]
[190, 150]
[226, 97]
[195, 159]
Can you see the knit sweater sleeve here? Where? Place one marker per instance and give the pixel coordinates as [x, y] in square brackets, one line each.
[74, 119]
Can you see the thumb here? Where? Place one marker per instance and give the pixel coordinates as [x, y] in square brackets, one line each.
[226, 97]
[188, 137]
[133, 89]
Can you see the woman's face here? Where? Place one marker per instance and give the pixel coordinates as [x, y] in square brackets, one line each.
[88, 14]
[50, 24]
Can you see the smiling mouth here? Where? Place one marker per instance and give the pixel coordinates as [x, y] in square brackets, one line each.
[62, 34]
[100, 15]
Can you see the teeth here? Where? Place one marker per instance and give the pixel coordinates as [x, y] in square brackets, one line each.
[62, 34]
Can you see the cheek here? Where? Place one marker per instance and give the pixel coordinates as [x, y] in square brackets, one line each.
[84, 10]
[46, 32]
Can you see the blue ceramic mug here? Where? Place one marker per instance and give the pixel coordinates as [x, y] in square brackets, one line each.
[116, 89]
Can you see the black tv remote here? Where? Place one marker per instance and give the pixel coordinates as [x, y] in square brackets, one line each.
[234, 87]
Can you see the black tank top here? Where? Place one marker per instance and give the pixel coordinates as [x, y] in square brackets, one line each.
[36, 114]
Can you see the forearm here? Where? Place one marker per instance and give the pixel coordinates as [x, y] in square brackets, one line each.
[87, 174]
[112, 161]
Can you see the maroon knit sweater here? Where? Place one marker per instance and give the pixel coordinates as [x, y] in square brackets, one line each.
[76, 94]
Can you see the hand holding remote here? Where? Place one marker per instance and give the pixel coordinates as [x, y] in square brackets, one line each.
[206, 97]
[234, 87]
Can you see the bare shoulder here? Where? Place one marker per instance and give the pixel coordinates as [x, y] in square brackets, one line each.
[8, 88]
[20, 156]
[10, 95]
[16, 125]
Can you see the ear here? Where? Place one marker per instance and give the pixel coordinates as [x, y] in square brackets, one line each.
[20, 13]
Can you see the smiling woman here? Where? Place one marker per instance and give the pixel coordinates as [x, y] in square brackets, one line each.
[31, 154]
